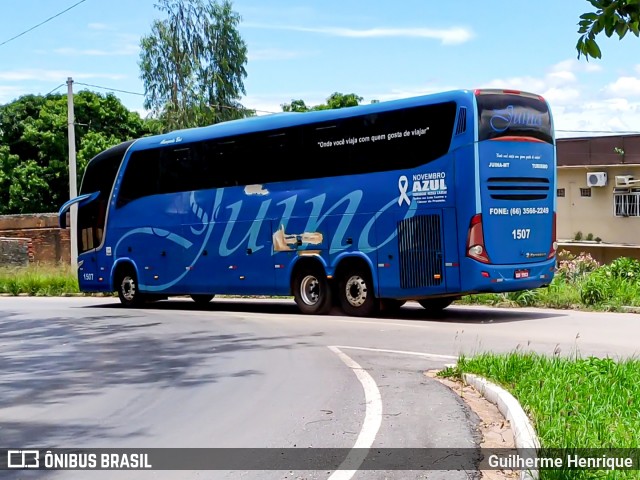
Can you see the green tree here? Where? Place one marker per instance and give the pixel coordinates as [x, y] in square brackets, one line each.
[613, 17]
[335, 100]
[34, 148]
[193, 64]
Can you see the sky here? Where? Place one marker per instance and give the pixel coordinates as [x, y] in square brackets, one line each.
[379, 50]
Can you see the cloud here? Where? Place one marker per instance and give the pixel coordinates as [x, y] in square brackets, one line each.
[77, 52]
[579, 108]
[98, 26]
[561, 77]
[9, 93]
[447, 36]
[573, 65]
[624, 86]
[598, 117]
[528, 84]
[274, 54]
[53, 75]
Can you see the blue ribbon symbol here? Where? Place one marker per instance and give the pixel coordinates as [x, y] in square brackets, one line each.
[403, 186]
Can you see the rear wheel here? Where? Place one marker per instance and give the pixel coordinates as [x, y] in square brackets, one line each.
[201, 299]
[355, 292]
[128, 291]
[391, 305]
[436, 305]
[311, 290]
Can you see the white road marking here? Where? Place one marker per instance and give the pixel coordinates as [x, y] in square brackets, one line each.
[379, 323]
[432, 356]
[372, 418]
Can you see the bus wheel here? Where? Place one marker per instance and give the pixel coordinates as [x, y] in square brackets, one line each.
[391, 305]
[128, 291]
[436, 305]
[311, 291]
[201, 299]
[356, 293]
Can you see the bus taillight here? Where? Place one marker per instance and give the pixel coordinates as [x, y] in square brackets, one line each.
[554, 242]
[475, 240]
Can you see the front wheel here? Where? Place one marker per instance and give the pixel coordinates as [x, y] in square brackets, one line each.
[311, 291]
[436, 305]
[356, 295]
[201, 299]
[128, 291]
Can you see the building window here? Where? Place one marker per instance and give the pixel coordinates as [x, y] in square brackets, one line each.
[626, 203]
[560, 192]
[585, 192]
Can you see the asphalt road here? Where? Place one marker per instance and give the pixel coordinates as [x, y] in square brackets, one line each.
[85, 372]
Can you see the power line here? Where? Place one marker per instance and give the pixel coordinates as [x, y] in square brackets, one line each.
[110, 89]
[600, 131]
[142, 95]
[61, 85]
[42, 23]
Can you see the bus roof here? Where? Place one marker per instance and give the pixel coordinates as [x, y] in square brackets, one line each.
[287, 119]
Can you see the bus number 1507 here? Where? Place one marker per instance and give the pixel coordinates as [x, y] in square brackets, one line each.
[521, 233]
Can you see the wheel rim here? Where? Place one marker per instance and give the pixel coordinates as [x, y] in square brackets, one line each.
[128, 288]
[356, 291]
[310, 290]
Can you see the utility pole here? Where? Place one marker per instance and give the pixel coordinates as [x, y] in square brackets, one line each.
[73, 188]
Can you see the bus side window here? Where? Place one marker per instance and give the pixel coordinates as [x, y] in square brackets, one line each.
[141, 177]
[176, 172]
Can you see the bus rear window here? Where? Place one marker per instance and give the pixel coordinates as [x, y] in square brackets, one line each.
[513, 115]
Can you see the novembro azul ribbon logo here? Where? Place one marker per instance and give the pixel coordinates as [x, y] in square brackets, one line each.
[403, 186]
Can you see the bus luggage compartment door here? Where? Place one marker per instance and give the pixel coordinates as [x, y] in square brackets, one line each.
[422, 257]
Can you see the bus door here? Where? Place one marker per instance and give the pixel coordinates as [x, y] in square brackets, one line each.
[239, 257]
[420, 262]
[93, 273]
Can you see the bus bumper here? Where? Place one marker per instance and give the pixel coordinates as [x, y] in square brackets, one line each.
[509, 278]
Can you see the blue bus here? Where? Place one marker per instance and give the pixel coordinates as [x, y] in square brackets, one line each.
[426, 199]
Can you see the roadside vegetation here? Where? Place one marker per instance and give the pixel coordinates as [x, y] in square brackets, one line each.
[580, 283]
[574, 403]
[38, 280]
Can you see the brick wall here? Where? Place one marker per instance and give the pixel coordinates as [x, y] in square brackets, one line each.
[50, 243]
[15, 252]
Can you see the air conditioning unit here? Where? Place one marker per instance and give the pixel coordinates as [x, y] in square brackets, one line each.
[596, 179]
[625, 180]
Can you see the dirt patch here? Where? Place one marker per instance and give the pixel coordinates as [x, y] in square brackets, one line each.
[495, 429]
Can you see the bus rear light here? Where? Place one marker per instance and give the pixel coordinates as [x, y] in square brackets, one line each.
[475, 240]
[554, 242]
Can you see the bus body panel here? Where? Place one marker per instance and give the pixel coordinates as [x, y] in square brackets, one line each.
[517, 192]
[410, 224]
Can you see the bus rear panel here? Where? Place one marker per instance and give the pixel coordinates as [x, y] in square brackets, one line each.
[511, 237]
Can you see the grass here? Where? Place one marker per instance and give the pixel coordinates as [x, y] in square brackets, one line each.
[574, 403]
[39, 280]
[580, 284]
[612, 296]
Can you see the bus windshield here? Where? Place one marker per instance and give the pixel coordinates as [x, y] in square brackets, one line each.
[503, 114]
[99, 176]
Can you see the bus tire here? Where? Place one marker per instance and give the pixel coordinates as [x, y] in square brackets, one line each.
[391, 305]
[311, 290]
[128, 291]
[201, 299]
[356, 293]
[436, 305]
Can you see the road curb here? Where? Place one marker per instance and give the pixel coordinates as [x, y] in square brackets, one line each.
[523, 432]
